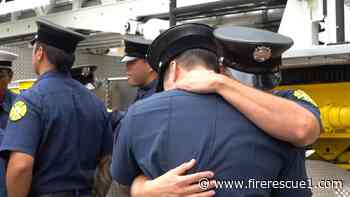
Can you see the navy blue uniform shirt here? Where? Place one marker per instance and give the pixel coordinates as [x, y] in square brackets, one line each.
[6, 107]
[142, 93]
[64, 127]
[304, 101]
[115, 117]
[4, 114]
[146, 91]
[161, 132]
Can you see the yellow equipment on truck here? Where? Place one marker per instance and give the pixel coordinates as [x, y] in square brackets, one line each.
[319, 64]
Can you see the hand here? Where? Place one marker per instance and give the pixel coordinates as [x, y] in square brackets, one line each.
[200, 81]
[175, 184]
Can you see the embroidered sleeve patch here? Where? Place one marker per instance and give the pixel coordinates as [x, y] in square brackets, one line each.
[299, 94]
[18, 111]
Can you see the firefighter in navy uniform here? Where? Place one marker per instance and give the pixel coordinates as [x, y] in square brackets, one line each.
[85, 74]
[254, 51]
[137, 151]
[58, 131]
[7, 98]
[140, 73]
[295, 122]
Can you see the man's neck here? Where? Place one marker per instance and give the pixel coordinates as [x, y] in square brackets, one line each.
[150, 78]
[45, 70]
[181, 74]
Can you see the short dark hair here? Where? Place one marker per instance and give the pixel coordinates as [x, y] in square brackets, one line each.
[194, 57]
[62, 60]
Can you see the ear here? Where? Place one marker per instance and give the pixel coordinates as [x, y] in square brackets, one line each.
[172, 71]
[149, 68]
[39, 53]
[222, 69]
[177, 72]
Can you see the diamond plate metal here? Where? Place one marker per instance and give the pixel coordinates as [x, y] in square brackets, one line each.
[320, 170]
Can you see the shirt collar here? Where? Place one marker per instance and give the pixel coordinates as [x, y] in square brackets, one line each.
[150, 86]
[52, 73]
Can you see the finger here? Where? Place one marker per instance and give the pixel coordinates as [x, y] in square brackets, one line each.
[183, 168]
[195, 178]
[195, 188]
[203, 194]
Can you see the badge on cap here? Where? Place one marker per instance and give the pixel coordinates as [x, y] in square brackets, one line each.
[18, 111]
[301, 95]
[262, 54]
[85, 71]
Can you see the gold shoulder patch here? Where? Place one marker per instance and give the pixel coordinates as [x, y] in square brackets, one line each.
[18, 111]
[299, 94]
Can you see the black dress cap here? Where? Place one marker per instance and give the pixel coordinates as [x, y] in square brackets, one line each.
[57, 36]
[176, 40]
[251, 50]
[135, 47]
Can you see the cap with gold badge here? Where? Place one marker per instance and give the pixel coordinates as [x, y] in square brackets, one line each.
[251, 50]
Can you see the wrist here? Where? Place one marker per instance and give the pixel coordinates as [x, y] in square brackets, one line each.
[142, 187]
[220, 83]
[150, 189]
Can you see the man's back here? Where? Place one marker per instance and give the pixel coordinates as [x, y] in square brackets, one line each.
[66, 130]
[170, 128]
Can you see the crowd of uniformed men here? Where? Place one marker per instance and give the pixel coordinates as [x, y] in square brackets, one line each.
[193, 118]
